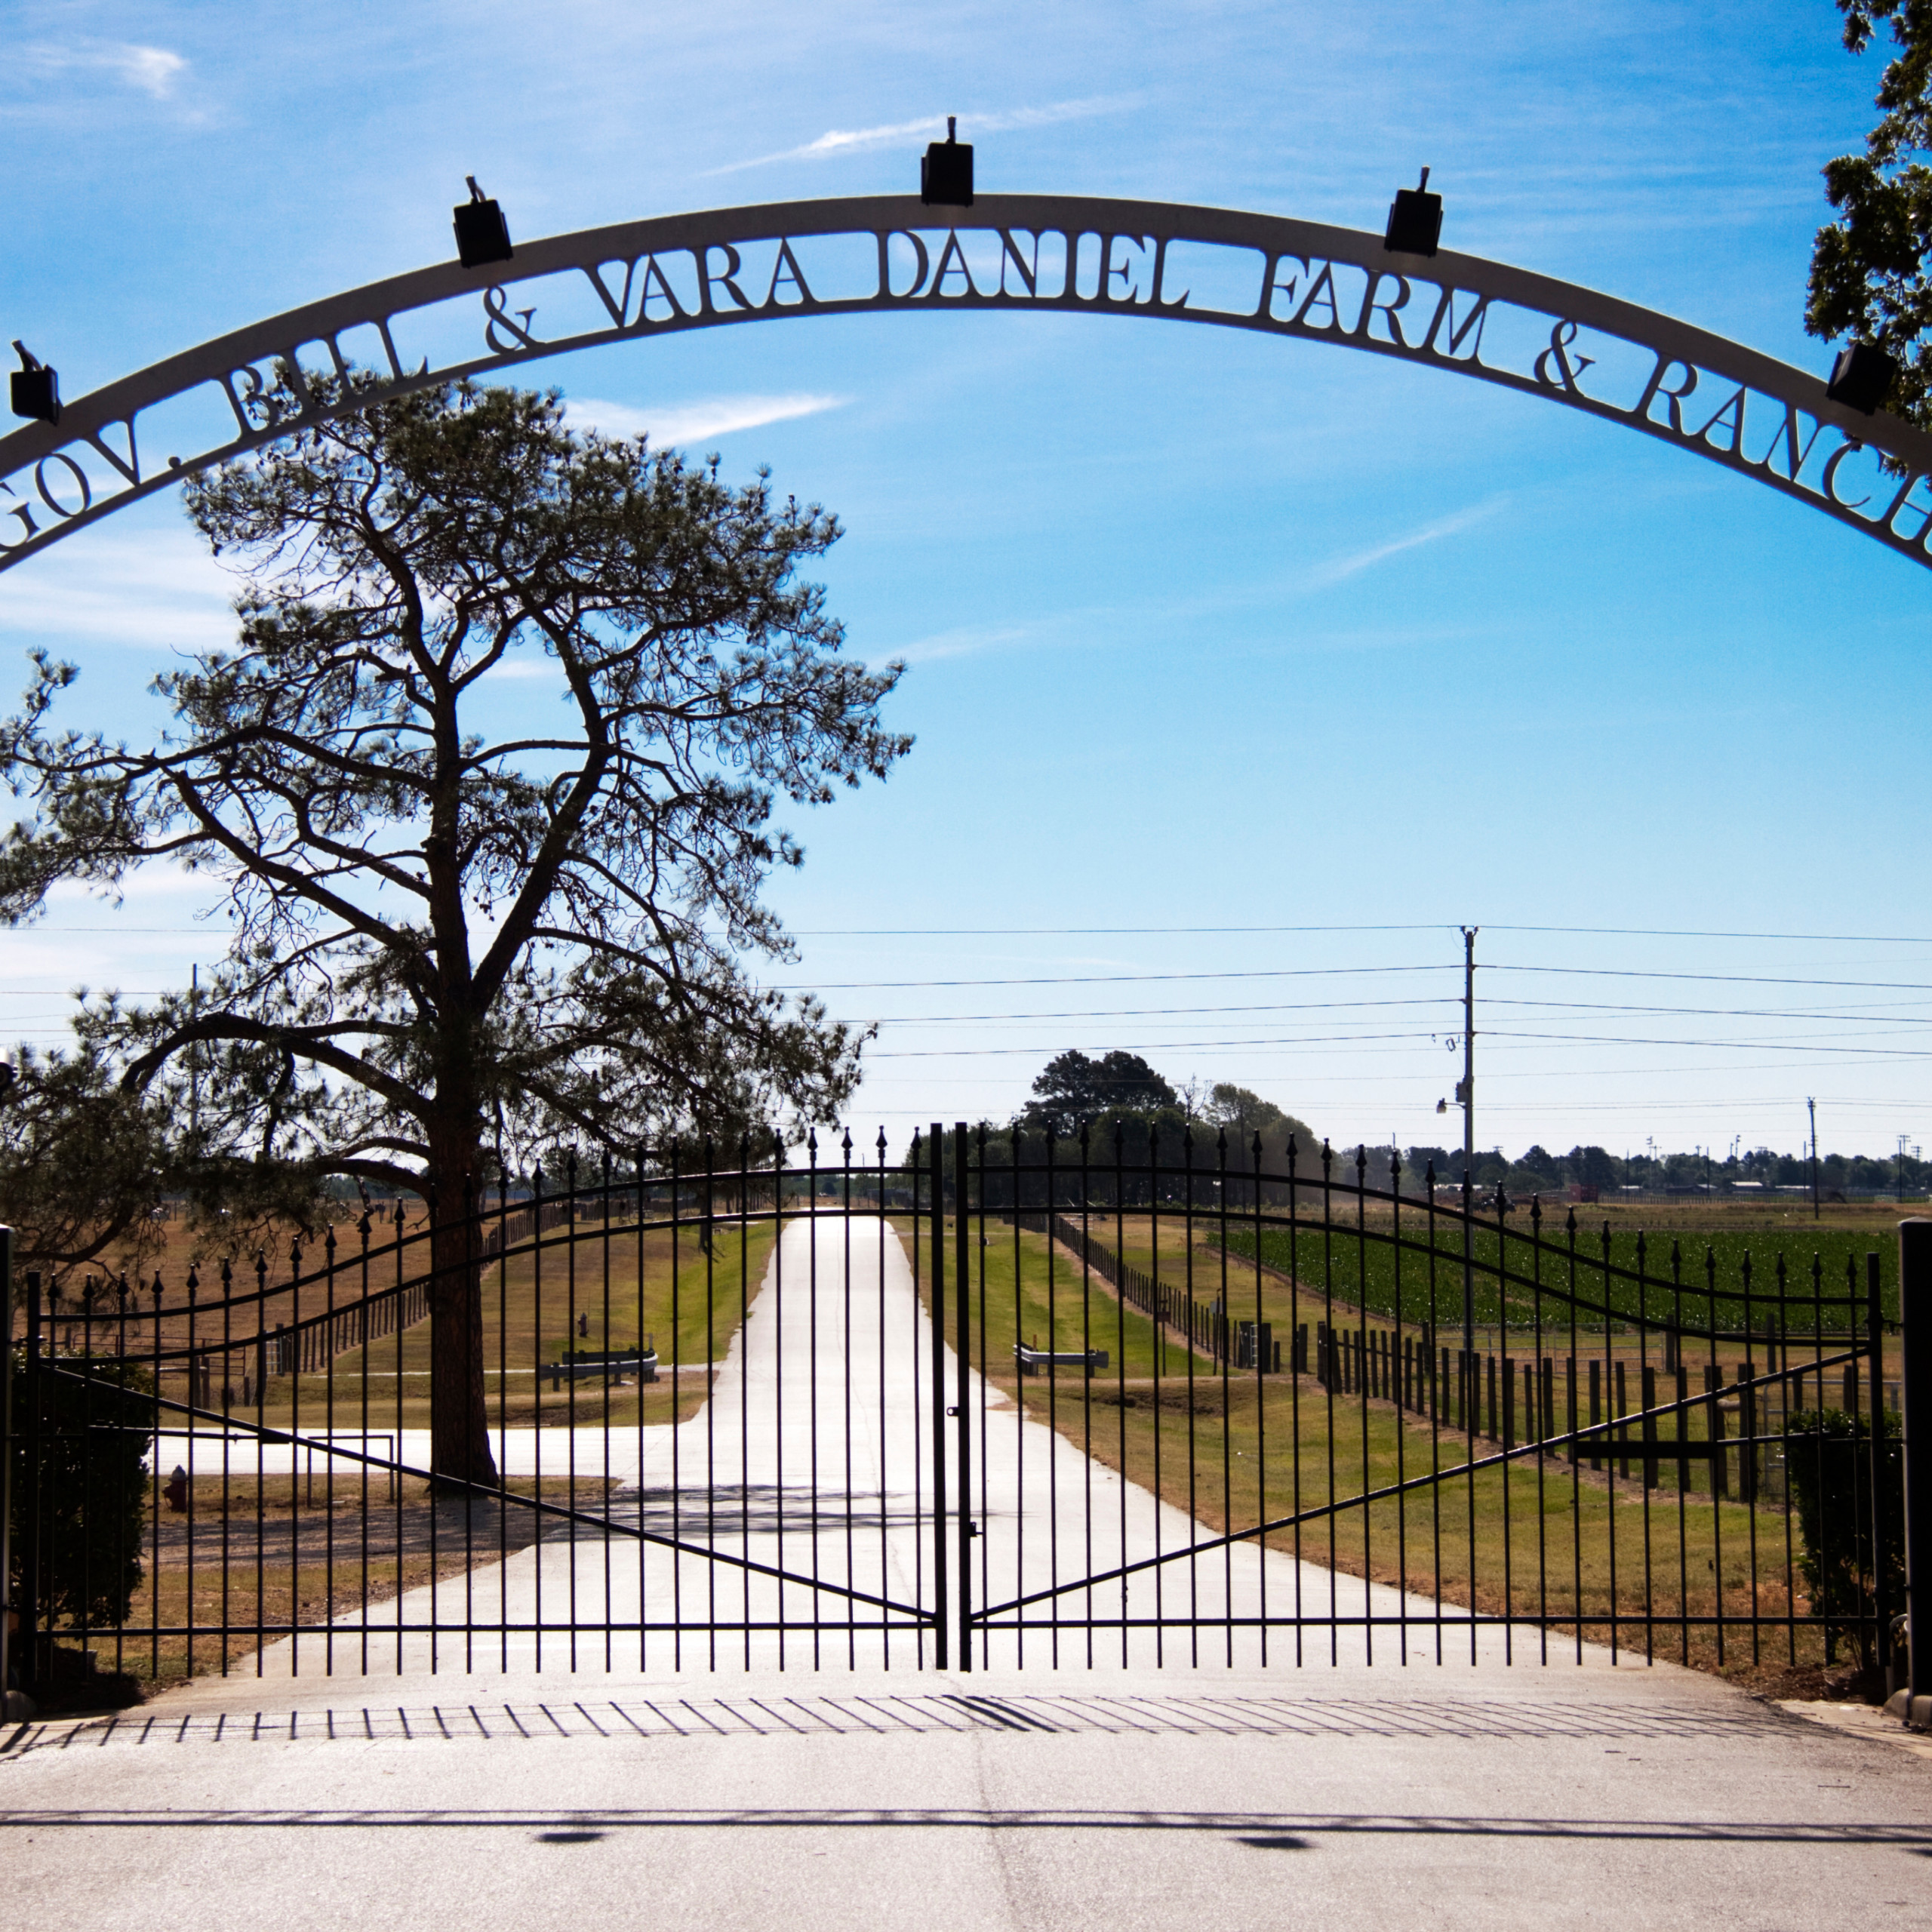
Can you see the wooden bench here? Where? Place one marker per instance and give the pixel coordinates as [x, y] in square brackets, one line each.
[607, 1364]
[1033, 1361]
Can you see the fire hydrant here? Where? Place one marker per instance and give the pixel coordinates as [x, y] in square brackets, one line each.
[177, 1491]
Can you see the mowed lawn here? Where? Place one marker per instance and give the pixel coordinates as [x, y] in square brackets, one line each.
[1801, 1280]
[1592, 1550]
[595, 1287]
[1582, 1547]
[1735, 1272]
[1026, 1290]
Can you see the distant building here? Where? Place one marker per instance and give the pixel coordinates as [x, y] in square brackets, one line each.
[1584, 1190]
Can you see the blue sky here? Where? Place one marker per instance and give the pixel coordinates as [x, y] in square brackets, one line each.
[1206, 632]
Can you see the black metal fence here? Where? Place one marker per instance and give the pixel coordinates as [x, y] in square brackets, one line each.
[1398, 1427]
[984, 1407]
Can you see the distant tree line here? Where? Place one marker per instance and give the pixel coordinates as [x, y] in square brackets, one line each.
[1114, 1119]
[1538, 1171]
[1113, 1107]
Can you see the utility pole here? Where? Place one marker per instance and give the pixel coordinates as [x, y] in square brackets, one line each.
[1902, 1141]
[1466, 1093]
[1811, 1107]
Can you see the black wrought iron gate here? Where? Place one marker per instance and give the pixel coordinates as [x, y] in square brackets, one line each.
[1011, 1400]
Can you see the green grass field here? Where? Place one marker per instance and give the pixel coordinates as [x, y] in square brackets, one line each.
[1421, 1275]
[1587, 1548]
[611, 1288]
[1018, 1296]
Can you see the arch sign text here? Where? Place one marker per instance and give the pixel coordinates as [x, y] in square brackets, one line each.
[1771, 422]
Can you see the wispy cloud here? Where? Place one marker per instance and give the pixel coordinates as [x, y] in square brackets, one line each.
[529, 669]
[160, 589]
[966, 642]
[695, 422]
[838, 141]
[1342, 568]
[153, 70]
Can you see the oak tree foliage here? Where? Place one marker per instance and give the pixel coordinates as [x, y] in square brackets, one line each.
[1868, 277]
[1074, 1086]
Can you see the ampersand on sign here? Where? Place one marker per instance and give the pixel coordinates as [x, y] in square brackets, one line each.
[1560, 336]
[494, 301]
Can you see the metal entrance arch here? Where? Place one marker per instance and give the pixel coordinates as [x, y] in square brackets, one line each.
[1269, 274]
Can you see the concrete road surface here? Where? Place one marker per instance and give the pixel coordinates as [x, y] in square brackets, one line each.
[763, 1794]
[1384, 1799]
[812, 1465]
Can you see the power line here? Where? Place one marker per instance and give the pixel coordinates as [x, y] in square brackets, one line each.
[1181, 932]
[1433, 926]
[1098, 979]
[1329, 1042]
[1882, 1018]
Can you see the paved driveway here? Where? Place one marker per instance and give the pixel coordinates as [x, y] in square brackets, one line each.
[814, 1459]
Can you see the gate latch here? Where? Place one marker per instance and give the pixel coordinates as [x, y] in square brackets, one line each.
[952, 1411]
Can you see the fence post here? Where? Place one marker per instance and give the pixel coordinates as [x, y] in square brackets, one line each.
[1875, 1328]
[8, 1708]
[1714, 1409]
[936, 1149]
[1915, 1373]
[29, 1599]
[961, 1277]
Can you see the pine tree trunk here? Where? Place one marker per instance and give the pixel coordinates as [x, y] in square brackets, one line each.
[459, 1421]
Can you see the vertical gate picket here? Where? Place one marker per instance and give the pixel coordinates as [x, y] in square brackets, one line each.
[967, 1524]
[936, 1150]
